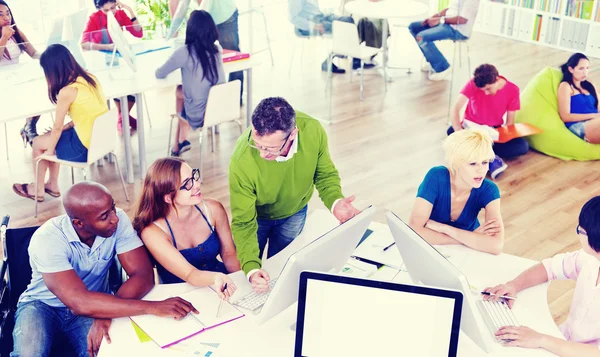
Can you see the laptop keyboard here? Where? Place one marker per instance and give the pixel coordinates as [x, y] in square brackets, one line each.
[497, 314]
[254, 300]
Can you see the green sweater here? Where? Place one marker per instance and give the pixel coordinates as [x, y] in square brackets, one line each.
[274, 190]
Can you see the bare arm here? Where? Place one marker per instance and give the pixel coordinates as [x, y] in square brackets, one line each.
[456, 20]
[564, 106]
[489, 243]
[564, 348]
[461, 101]
[31, 51]
[65, 98]
[418, 219]
[97, 46]
[139, 270]
[228, 253]
[510, 118]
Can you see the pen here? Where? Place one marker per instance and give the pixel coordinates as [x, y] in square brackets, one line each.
[503, 296]
[221, 302]
[388, 247]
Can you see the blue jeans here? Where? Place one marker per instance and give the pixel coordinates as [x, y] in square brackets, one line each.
[279, 232]
[38, 326]
[428, 36]
[578, 129]
[229, 38]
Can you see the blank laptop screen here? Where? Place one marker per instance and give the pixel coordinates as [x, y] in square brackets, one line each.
[353, 320]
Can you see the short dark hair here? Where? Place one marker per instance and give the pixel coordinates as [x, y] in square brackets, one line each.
[484, 75]
[589, 219]
[100, 3]
[273, 114]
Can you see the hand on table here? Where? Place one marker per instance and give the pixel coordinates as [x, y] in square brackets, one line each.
[98, 331]
[521, 336]
[174, 307]
[260, 281]
[344, 210]
[498, 291]
[218, 283]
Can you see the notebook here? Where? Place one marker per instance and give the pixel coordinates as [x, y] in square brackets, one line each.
[519, 130]
[165, 331]
[230, 56]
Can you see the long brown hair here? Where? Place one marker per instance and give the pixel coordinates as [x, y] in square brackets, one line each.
[163, 178]
[17, 36]
[61, 69]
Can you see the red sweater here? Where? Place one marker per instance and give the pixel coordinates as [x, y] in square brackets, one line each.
[98, 21]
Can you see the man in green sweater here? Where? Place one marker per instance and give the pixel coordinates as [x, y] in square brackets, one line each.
[276, 164]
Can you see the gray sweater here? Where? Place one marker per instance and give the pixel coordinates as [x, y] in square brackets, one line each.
[195, 88]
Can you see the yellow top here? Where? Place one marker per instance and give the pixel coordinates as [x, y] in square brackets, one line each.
[89, 104]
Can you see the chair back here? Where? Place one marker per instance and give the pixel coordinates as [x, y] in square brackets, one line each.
[104, 136]
[345, 39]
[17, 262]
[223, 103]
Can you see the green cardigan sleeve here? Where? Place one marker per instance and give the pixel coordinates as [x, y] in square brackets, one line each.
[244, 225]
[327, 178]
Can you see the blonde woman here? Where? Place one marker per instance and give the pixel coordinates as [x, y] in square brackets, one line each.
[450, 197]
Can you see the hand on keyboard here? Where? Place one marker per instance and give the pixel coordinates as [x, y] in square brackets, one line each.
[498, 291]
[260, 281]
[520, 336]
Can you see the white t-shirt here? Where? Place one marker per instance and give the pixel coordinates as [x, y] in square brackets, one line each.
[466, 9]
[13, 50]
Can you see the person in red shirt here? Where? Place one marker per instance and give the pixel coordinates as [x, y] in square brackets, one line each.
[96, 37]
[488, 97]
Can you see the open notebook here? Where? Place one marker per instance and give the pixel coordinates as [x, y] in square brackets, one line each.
[168, 331]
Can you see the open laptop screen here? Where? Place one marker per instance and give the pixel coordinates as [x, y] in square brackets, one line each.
[343, 316]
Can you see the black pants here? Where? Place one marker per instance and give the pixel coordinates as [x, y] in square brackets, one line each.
[229, 38]
[515, 147]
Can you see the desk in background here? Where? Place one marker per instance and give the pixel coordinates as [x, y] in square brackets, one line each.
[275, 338]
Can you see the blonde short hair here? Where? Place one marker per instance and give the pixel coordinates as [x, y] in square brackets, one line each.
[466, 146]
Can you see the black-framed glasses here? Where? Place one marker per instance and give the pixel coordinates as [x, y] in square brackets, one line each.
[188, 184]
[269, 150]
[579, 230]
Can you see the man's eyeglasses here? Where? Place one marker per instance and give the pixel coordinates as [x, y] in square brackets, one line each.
[581, 231]
[188, 184]
[267, 149]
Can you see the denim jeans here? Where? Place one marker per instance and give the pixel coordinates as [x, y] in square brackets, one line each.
[428, 36]
[280, 232]
[38, 326]
[229, 38]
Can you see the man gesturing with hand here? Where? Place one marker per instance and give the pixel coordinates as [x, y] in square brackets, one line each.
[274, 169]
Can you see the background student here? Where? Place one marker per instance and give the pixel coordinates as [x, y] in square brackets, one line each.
[77, 93]
[581, 330]
[450, 197]
[578, 100]
[488, 97]
[183, 230]
[201, 64]
[13, 42]
[96, 37]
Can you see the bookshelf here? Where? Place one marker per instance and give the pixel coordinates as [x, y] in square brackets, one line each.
[571, 25]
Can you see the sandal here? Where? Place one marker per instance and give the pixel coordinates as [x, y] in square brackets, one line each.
[54, 194]
[21, 190]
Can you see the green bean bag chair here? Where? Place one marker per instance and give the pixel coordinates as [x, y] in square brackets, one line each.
[539, 107]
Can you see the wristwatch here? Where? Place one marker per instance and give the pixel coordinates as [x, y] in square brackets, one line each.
[443, 20]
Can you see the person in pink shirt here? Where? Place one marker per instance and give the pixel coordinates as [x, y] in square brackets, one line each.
[488, 97]
[582, 328]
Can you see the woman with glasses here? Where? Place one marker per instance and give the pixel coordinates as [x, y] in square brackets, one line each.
[184, 231]
[581, 330]
[201, 64]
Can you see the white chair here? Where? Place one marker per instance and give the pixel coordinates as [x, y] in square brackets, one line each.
[347, 43]
[103, 142]
[222, 106]
[459, 44]
[260, 9]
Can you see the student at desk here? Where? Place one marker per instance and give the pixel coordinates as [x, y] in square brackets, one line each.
[488, 97]
[582, 328]
[275, 166]
[450, 197]
[77, 93]
[96, 37]
[201, 64]
[68, 295]
[13, 42]
[578, 100]
[184, 231]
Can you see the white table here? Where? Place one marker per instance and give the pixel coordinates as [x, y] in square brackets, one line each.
[31, 98]
[385, 10]
[275, 338]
